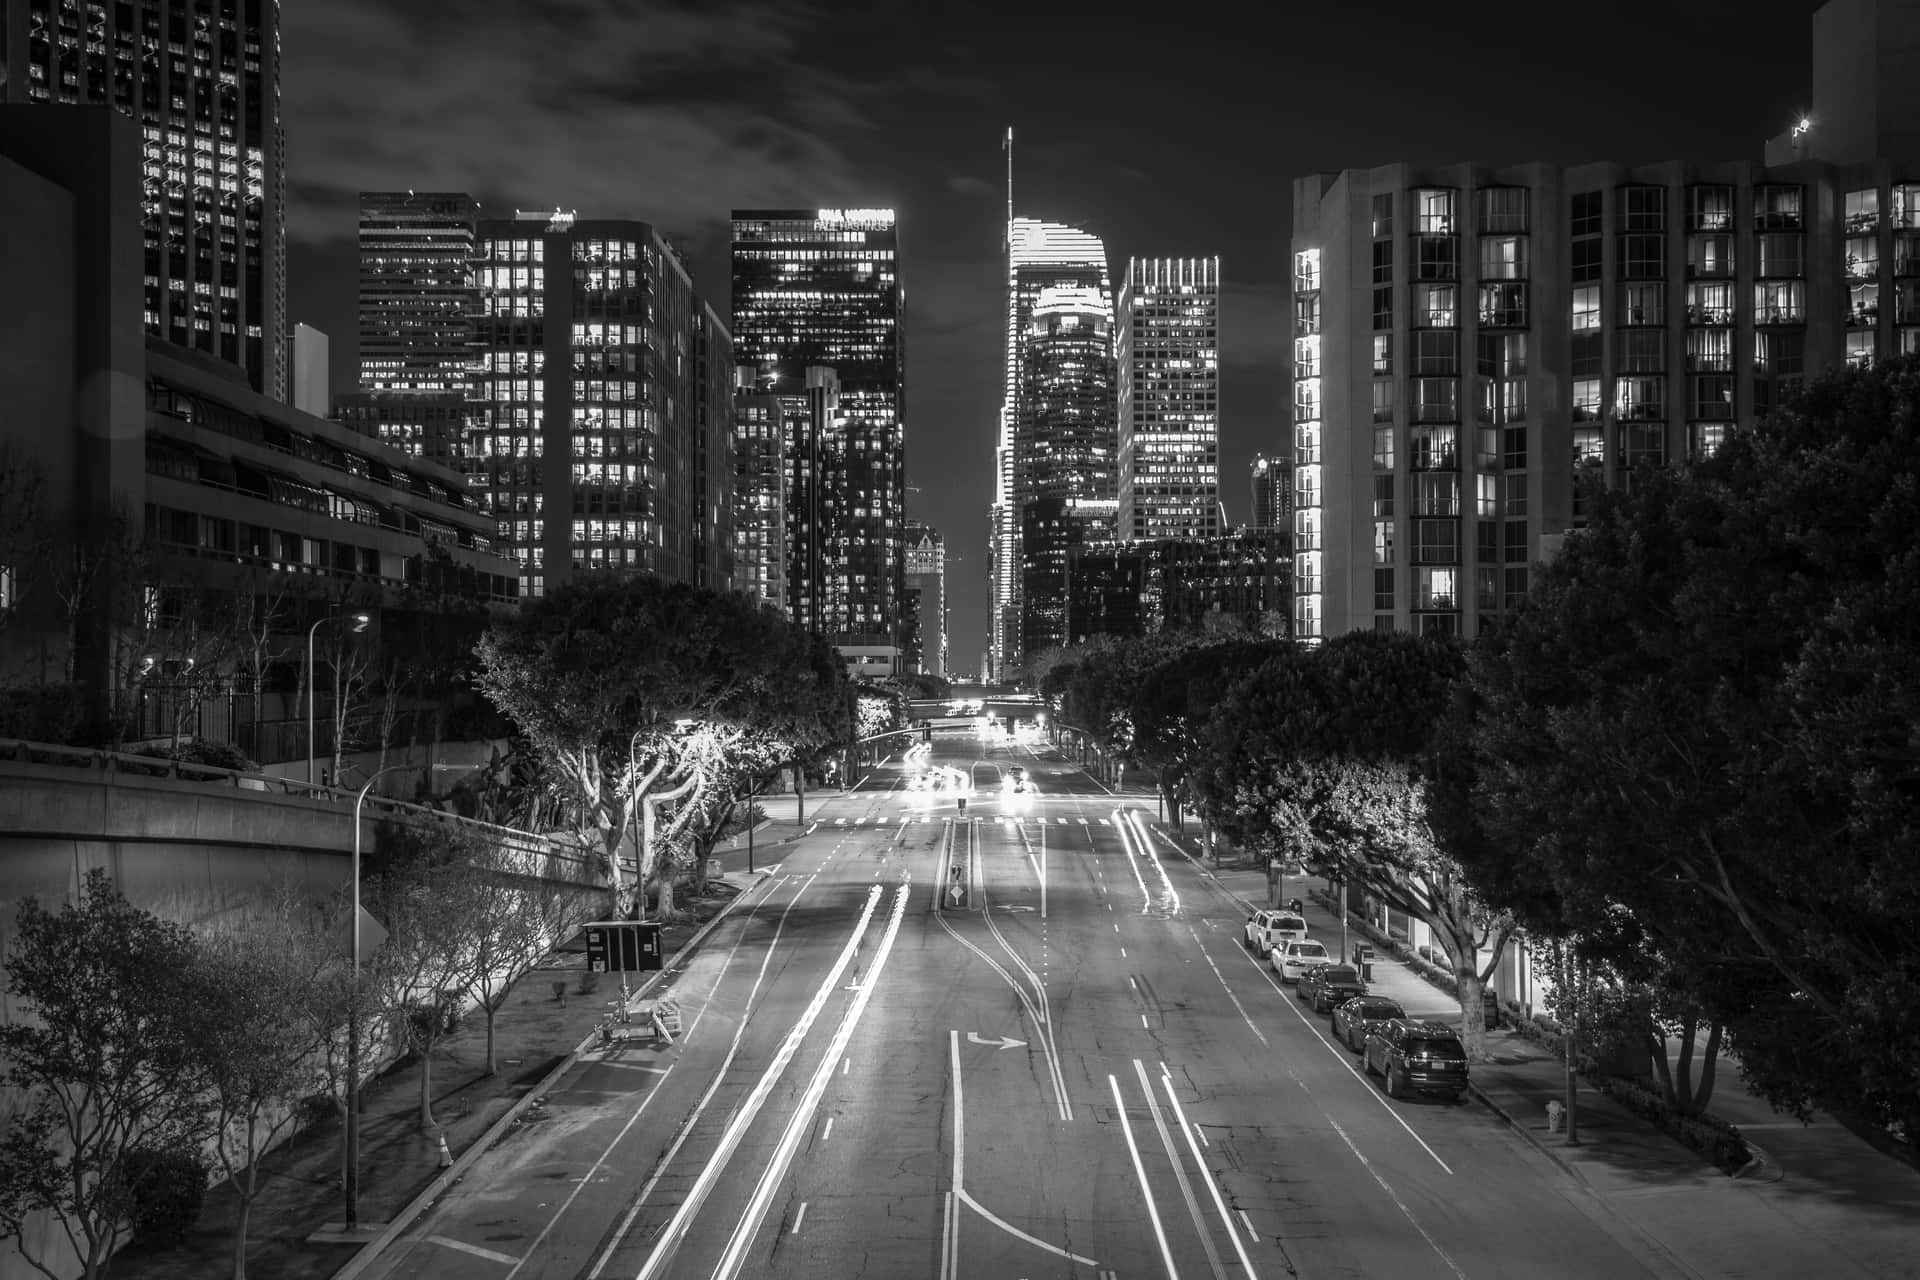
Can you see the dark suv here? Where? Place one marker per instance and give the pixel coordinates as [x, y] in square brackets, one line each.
[1422, 1057]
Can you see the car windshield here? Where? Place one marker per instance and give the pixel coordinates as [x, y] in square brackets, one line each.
[1307, 951]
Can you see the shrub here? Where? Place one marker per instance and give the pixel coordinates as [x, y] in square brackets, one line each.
[1715, 1139]
[50, 713]
[164, 1191]
[221, 755]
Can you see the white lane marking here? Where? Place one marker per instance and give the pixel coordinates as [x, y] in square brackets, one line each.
[1140, 1171]
[752, 994]
[776, 1171]
[827, 1132]
[1244, 1016]
[966, 1198]
[846, 1064]
[1251, 1234]
[1123, 953]
[1180, 1176]
[1143, 1021]
[1408, 1213]
[799, 1218]
[946, 1240]
[1345, 1059]
[669, 1239]
[1131, 983]
[959, 1148]
[1219, 1204]
[473, 1249]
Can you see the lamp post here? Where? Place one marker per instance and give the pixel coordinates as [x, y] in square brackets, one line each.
[352, 1187]
[359, 621]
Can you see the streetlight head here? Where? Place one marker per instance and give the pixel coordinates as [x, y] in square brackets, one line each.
[360, 621]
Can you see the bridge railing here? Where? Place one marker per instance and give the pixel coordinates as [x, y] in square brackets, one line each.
[99, 761]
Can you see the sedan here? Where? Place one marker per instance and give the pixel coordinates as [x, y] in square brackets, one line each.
[1292, 959]
[1330, 985]
[1355, 1020]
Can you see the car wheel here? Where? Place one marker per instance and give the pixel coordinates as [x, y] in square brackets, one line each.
[1366, 1061]
[1457, 1098]
[1394, 1087]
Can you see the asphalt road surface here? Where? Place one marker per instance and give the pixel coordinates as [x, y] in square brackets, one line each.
[1018, 1041]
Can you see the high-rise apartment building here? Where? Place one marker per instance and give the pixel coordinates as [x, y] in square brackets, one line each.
[594, 388]
[203, 80]
[819, 290]
[1478, 349]
[1169, 362]
[927, 577]
[1040, 256]
[1065, 477]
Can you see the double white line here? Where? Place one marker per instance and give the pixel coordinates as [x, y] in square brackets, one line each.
[1214, 1262]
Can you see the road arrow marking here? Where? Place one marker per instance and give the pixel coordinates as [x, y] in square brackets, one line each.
[957, 893]
[1014, 908]
[1000, 1042]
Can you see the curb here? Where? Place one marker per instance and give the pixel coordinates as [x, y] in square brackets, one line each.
[1525, 1131]
[370, 1252]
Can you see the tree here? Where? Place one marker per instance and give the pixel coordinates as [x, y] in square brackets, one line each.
[1328, 755]
[1173, 701]
[609, 675]
[1702, 722]
[258, 1043]
[514, 918]
[110, 1068]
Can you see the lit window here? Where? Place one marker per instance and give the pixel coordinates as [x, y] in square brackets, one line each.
[1863, 211]
[1586, 307]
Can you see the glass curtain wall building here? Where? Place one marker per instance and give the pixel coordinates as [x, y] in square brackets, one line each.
[820, 290]
[927, 574]
[589, 398]
[1040, 255]
[1169, 358]
[1065, 469]
[203, 80]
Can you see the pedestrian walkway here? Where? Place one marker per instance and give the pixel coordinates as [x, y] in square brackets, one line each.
[1819, 1202]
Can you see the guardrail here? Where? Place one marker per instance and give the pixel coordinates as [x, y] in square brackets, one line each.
[100, 761]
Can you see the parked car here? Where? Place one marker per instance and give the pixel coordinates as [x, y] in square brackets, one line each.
[1355, 1020]
[1292, 959]
[1329, 985]
[1268, 929]
[1418, 1057]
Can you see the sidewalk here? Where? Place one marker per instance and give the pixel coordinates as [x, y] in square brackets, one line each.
[1819, 1201]
[295, 1233]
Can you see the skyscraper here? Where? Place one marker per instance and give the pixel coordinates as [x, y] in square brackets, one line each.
[1040, 255]
[417, 306]
[927, 575]
[595, 368]
[759, 493]
[1064, 446]
[203, 80]
[1169, 340]
[820, 290]
[1272, 493]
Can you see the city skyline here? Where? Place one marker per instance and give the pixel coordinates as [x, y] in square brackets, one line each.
[745, 106]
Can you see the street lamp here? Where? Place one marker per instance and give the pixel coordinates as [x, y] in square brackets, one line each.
[352, 1187]
[359, 621]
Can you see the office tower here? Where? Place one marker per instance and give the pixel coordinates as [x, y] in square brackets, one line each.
[1065, 476]
[592, 371]
[1272, 493]
[417, 298]
[759, 493]
[1236, 581]
[819, 290]
[1169, 355]
[1479, 349]
[417, 306]
[1040, 255]
[308, 354]
[927, 574]
[203, 81]
[711, 518]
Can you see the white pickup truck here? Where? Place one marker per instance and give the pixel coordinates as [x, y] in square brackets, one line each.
[1269, 929]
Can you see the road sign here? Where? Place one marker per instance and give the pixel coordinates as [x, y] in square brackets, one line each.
[623, 946]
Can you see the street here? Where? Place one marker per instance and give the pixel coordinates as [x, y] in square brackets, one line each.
[905, 1053]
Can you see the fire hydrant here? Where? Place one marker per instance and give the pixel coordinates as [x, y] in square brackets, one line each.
[1556, 1116]
[446, 1156]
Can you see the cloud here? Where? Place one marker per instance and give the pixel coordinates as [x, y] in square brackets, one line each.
[673, 114]
[966, 184]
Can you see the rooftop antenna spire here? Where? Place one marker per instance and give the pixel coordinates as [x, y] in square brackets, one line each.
[1008, 147]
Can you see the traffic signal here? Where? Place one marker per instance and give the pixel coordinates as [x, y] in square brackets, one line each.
[623, 946]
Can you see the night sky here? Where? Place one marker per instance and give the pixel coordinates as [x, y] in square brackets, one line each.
[1174, 131]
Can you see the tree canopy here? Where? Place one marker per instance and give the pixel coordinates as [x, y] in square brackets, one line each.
[1701, 730]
